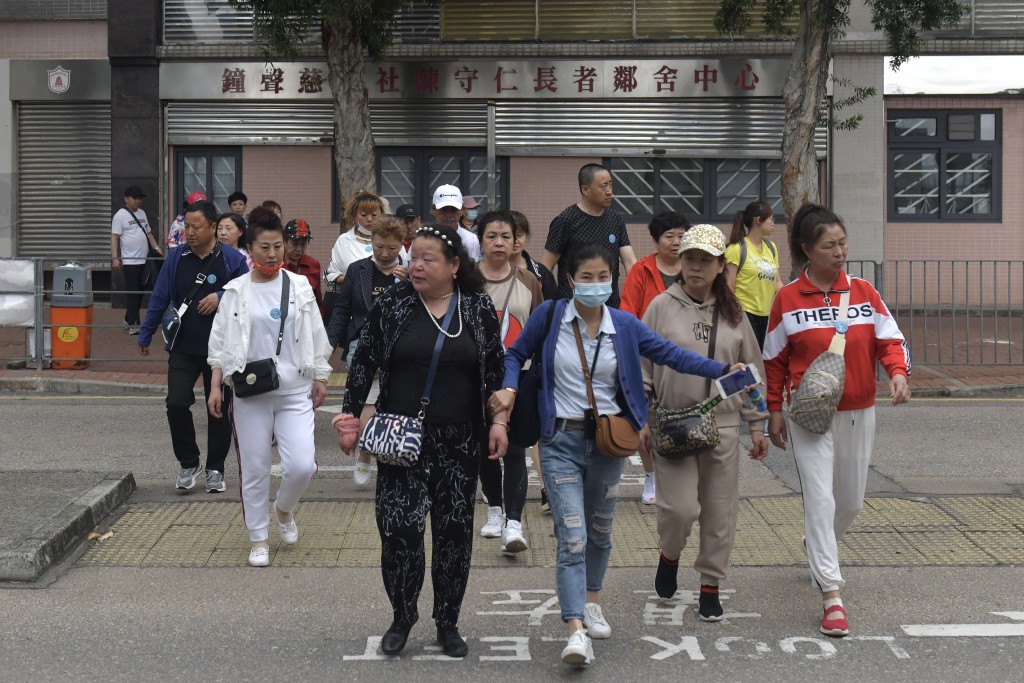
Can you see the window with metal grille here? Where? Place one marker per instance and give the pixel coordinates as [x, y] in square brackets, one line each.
[700, 189]
[409, 175]
[944, 165]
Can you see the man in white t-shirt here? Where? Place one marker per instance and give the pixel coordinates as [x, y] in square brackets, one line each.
[130, 241]
[447, 211]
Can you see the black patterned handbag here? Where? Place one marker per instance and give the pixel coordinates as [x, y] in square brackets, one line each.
[687, 432]
[395, 439]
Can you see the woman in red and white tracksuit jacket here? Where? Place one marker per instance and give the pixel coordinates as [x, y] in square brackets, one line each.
[833, 466]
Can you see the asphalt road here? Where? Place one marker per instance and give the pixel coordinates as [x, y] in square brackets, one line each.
[112, 624]
[118, 624]
[932, 446]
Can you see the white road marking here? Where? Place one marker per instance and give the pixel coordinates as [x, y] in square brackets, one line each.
[970, 630]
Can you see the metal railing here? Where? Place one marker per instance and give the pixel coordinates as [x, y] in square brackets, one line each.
[951, 312]
[29, 342]
[958, 312]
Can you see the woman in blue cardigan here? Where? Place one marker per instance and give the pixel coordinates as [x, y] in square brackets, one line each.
[581, 482]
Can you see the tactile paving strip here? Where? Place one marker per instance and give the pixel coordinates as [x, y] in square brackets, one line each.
[975, 514]
[1005, 547]
[962, 530]
[948, 547]
[908, 514]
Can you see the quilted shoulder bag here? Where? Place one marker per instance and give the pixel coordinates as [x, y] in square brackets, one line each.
[260, 376]
[686, 432]
[395, 439]
[613, 435]
[816, 399]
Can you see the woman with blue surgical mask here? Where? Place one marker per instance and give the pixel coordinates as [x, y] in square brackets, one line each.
[581, 482]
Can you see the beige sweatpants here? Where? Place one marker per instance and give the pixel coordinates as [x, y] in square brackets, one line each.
[705, 489]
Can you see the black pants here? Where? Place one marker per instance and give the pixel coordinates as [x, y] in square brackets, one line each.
[133, 295]
[183, 369]
[760, 325]
[443, 483]
[510, 489]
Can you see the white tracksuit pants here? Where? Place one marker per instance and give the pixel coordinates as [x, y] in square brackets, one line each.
[833, 470]
[256, 419]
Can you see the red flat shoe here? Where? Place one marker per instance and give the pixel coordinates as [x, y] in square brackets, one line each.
[833, 625]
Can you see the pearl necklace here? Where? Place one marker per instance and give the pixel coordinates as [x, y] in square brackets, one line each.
[458, 313]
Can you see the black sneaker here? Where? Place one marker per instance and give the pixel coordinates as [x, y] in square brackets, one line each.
[665, 581]
[709, 607]
[544, 506]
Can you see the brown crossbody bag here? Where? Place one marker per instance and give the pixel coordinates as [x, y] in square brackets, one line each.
[613, 435]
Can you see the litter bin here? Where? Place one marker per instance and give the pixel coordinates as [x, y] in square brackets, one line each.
[71, 317]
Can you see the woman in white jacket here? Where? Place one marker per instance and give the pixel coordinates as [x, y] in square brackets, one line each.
[247, 328]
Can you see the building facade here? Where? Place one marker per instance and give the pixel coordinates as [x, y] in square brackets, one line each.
[504, 99]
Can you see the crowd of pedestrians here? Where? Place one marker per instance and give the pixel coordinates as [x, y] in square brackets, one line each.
[439, 323]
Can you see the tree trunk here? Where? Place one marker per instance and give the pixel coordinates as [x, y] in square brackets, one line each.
[354, 152]
[803, 94]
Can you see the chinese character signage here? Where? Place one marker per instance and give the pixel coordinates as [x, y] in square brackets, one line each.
[473, 79]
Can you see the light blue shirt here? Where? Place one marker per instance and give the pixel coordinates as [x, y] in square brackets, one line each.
[570, 388]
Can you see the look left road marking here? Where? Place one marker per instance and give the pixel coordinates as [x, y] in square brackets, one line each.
[970, 630]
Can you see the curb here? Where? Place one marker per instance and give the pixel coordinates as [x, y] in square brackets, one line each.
[54, 540]
[981, 391]
[59, 385]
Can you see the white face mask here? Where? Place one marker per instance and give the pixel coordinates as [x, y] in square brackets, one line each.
[473, 214]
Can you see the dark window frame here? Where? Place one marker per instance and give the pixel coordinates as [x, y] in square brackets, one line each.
[421, 175]
[942, 146]
[209, 151]
[709, 188]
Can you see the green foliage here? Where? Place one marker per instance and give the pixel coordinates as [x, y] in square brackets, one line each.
[733, 17]
[283, 25]
[902, 21]
[777, 13]
[860, 94]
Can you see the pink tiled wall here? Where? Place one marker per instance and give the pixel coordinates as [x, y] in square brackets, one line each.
[969, 241]
[299, 179]
[53, 39]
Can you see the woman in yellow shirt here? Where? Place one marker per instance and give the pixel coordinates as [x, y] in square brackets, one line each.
[752, 264]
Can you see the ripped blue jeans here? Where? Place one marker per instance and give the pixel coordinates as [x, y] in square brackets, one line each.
[582, 487]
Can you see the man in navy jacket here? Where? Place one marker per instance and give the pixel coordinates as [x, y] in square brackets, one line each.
[186, 359]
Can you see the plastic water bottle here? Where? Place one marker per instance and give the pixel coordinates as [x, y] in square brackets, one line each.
[757, 400]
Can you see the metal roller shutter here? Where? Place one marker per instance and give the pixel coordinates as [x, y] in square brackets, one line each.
[64, 180]
[683, 128]
[462, 123]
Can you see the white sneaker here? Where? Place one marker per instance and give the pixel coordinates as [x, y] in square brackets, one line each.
[512, 540]
[361, 475]
[259, 557]
[594, 621]
[580, 650]
[648, 495]
[289, 531]
[494, 525]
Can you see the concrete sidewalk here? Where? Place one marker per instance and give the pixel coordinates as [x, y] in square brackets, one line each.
[117, 368]
[48, 513]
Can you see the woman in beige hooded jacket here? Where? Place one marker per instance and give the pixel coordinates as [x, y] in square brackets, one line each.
[698, 306]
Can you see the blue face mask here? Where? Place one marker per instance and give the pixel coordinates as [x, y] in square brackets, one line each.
[592, 294]
[472, 214]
